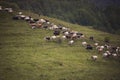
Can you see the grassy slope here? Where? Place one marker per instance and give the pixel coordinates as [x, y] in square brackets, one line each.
[24, 55]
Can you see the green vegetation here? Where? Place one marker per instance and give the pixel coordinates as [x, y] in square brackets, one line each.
[5, 4]
[82, 12]
[25, 55]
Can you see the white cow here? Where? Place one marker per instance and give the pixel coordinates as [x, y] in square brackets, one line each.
[94, 57]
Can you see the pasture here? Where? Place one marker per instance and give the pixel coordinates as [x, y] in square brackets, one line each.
[25, 55]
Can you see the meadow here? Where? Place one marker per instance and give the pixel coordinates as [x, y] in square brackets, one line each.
[25, 55]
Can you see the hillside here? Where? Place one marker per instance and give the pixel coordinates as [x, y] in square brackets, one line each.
[100, 14]
[25, 55]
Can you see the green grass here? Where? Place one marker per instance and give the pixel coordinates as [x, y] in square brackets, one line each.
[24, 55]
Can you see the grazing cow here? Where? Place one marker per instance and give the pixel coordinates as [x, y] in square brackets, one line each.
[84, 43]
[56, 32]
[89, 47]
[113, 49]
[33, 24]
[27, 18]
[63, 37]
[96, 44]
[59, 27]
[47, 38]
[118, 50]
[55, 27]
[100, 48]
[39, 25]
[108, 52]
[66, 33]
[0, 8]
[33, 27]
[114, 55]
[71, 42]
[91, 38]
[107, 46]
[74, 35]
[68, 36]
[45, 27]
[46, 20]
[79, 35]
[53, 37]
[35, 20]
[82, 36]
[42, 20]
[105, 55]
[8, 10]
[20, 13]
[64, 29]
[22, 17]
[16, 17]
[94, 57]
[31, 21]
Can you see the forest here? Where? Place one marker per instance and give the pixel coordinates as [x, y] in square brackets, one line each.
[102, 15]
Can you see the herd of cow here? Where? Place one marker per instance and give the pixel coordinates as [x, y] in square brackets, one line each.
[63, 33]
